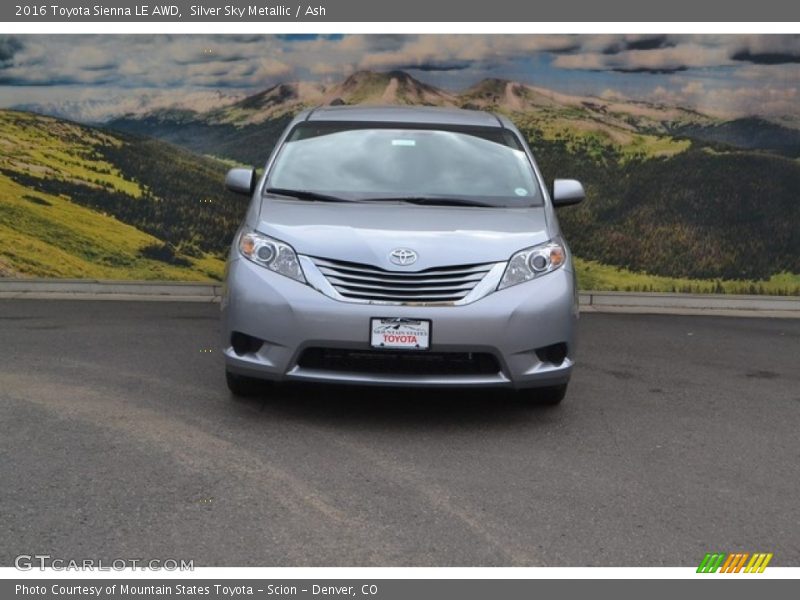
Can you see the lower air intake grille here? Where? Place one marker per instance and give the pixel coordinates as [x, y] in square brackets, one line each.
[381, 362]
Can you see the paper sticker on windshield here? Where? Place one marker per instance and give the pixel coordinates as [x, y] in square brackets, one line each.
[521, 192]
[404, 142]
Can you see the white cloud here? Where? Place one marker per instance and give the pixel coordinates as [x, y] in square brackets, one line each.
[737, 72]
[195, 60]
[730, 102]
[669, 59]
[96, 105]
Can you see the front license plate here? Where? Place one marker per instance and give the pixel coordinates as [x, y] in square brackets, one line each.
[411, 334]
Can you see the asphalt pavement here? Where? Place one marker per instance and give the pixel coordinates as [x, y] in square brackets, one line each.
[680, 435]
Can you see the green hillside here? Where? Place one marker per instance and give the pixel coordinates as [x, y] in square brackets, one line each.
[593, 275]
[666, 197]
[245, 144]
[748, 133]
[79, 202]
[677, 201]
[699, 214]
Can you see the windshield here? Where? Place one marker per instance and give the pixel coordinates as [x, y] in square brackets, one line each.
[479, 166]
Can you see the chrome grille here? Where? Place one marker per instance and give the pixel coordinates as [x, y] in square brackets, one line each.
[361, 282]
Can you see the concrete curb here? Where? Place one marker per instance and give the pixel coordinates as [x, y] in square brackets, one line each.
[612, 302]
[89, 289]
[691, 304]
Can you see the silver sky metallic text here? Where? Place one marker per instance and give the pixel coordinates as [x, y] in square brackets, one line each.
[229, 10]
[255, 10]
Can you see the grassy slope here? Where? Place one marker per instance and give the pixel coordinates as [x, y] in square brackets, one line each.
[584, 134]
[597, 141]
[44, 235]
[47, 235]
[596, 276]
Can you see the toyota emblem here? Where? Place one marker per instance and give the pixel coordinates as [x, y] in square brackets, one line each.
[403, 257]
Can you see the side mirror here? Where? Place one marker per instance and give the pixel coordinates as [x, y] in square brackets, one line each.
[241, 181]
[567, 192]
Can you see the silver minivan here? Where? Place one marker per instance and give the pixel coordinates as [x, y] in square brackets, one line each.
[401, 246]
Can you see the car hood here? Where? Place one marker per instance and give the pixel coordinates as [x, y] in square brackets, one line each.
[368, 232]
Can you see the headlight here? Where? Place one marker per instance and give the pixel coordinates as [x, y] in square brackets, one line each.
[272, 254]
[534, 262]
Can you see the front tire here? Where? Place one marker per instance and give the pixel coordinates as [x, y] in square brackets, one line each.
[243, 387]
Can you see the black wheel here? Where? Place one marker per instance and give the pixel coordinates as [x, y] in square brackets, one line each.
[242, 386]
[545, 396]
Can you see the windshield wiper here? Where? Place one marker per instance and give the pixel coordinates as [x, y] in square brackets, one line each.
[306, 195]
[427, 200]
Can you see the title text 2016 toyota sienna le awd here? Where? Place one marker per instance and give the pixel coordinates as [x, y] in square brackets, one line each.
[401, 246]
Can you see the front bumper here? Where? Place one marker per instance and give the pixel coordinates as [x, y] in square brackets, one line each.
[290, 317]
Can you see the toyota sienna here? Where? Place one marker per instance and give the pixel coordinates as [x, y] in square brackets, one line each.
[401, 246]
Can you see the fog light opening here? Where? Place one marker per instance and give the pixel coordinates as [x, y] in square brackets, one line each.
[243, 343]
[554, 353]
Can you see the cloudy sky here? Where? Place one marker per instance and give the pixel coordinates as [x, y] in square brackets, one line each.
[94, 77]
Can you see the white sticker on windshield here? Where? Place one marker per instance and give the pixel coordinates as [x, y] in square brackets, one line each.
[404, 142]
[521, 192]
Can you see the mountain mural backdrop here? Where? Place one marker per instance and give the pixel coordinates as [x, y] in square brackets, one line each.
[678, 199]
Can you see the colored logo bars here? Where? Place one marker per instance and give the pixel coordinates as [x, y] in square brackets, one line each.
[734, 562]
